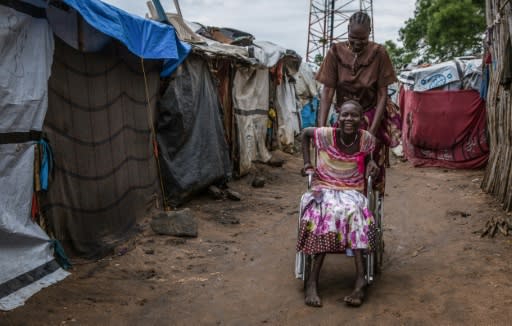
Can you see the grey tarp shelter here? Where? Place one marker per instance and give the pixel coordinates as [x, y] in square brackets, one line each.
[26, 256]
[193, 149]
[97, 123]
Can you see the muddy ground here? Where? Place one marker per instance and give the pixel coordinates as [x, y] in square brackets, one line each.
[239, 271]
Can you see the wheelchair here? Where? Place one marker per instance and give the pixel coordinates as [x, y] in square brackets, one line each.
[372, 259]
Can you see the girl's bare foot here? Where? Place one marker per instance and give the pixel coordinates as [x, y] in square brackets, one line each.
[311, 297]
[355, 299]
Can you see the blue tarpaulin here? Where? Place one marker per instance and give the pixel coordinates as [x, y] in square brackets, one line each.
[308, 113]
[146, 38]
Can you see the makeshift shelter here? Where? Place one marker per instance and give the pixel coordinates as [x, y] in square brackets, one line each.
[97, 123]
[26, 254]
[307, 90]
[100, 122]
[284, 65]
[250, 105]
[267, 129]
[258, 69]
[444, 118]
[193, 150]
[496, 89]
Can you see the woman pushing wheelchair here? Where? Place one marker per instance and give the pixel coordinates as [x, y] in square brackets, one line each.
[335, 214]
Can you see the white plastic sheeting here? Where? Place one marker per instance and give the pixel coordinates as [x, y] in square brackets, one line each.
[441, 76]
[217, 49]
[250, 103]
[457, 74]
[306, 86]
[472, 74]
[268, 53]
[187, 32]
[26, 54]
[26, 257]
[288, 119]
[260, 53]
[24, 246]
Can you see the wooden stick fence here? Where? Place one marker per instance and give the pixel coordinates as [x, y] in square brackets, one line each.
[498, 176]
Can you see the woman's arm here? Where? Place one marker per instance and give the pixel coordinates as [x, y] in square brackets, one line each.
[382, 96]
[325, 105]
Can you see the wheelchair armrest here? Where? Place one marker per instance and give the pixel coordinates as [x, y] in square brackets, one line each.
[371, 195]
[310, 180]
[369, 186]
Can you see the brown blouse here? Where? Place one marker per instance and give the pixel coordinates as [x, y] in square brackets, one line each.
[357, 76]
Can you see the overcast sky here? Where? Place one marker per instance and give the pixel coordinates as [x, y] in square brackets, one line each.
[284, 22]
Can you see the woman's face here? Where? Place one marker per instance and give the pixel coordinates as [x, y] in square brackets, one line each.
[349, 118]
[358, 37]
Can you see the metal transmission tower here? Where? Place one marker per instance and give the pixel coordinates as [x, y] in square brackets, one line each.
[328, 23]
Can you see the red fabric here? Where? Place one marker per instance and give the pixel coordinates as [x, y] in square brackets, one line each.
[444, 128]
[35, 207]
[360, 163]
[488, 57]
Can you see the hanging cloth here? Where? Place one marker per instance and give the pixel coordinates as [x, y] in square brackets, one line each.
[46, 163]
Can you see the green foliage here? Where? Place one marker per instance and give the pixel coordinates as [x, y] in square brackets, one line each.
[397, 54]
[319, 59]
[443, 29]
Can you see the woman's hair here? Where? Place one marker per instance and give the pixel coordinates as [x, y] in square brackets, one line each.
[360, 18]
[354, 103]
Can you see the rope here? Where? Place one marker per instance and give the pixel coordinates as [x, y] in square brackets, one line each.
[153, 135]
[503, 6]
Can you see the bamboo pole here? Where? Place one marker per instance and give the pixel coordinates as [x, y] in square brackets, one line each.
[498, 175]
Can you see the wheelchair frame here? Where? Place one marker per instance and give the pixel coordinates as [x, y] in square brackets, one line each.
[373, 259]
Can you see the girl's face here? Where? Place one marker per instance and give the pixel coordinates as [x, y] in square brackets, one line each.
[349, 118]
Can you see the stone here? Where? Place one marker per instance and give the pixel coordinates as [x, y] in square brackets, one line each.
[176, 223]
[175, 241]
[276, 162]
[233, 195]
[215, 192]
[228, 220]
[258, 182]
[455, 212]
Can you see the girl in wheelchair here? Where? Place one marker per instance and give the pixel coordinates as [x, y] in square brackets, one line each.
[335, 215]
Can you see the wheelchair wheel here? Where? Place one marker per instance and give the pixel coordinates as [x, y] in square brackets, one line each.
[379, 250]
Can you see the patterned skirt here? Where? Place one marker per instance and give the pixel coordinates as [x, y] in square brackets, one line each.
[334, 220]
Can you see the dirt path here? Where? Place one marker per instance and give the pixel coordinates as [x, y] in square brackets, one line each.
[436, 270]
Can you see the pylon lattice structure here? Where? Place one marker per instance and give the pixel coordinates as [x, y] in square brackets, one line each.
[328, 23]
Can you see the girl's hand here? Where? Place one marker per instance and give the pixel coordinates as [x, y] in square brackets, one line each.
[372, 169]
[307, 169]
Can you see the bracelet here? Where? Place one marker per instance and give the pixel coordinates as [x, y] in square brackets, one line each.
[307, 165]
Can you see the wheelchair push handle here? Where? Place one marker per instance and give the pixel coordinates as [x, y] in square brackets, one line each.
[309, 174]
[309, 171]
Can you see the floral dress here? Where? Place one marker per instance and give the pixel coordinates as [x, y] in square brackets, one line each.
[335, 212]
